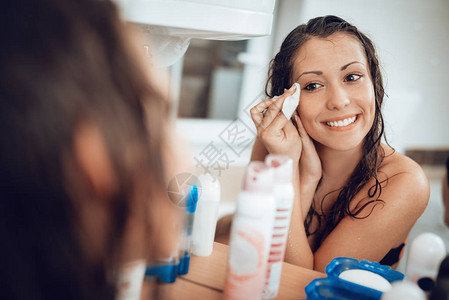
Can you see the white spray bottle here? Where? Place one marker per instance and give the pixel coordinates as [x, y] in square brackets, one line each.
[284, 194]
[251, 235]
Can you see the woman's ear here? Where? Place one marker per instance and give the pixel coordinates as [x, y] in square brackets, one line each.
[94, 161]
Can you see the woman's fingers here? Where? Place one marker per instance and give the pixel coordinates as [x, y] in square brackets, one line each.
[258, 111]
[277, 125]
[266, 111]
[301, 130]
[273, 110]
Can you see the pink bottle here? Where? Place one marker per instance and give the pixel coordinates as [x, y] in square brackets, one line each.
[251, 235]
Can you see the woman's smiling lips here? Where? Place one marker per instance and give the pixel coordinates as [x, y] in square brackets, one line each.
[342, 123]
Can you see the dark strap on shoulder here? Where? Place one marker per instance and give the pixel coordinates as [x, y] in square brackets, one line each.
[392, 256]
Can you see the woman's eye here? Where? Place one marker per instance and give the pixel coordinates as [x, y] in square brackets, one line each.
[312, 86]
[352, 77]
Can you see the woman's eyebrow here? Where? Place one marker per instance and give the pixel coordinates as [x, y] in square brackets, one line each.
[321, 73]
[347, 65]
[310, 72]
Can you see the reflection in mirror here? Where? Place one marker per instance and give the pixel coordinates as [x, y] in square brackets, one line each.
[211, 80]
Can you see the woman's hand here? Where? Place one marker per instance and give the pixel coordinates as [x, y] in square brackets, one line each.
[309, 168]
[274, 130]
[310, 164]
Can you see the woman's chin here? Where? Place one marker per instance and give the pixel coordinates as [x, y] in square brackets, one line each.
[341, 144]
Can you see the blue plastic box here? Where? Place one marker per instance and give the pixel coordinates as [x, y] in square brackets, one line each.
[333, 287]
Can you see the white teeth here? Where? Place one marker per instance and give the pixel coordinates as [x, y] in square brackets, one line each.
[340, 123]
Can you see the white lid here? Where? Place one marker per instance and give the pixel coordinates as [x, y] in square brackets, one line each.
[426, 252]
[258, 178]
[210, 188]
[366, 278]
[282, 166]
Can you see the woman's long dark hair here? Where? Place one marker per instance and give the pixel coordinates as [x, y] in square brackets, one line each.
[280, 77]
[65, 63]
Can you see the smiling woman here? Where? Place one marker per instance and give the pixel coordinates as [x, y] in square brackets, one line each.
[355, 196]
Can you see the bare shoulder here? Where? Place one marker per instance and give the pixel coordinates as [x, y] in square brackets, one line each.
[403, 185]
[403, 175]
[386, 211]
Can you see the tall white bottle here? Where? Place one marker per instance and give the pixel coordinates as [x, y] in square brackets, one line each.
[251, 235]
[206, 215]
[284, 194]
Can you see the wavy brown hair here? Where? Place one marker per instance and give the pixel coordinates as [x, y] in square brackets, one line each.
[280, 78]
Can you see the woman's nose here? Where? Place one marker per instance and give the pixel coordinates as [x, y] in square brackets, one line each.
[338, 98]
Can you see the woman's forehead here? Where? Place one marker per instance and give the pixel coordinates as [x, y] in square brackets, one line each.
[332, 52]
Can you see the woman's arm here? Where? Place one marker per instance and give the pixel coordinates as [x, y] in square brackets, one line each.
[298, 251]
[295, 143]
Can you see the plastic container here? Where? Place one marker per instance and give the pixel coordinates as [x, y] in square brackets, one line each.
[333, 287]
[426, 252]
[162, 271]
[284, 194]
[186, 248]
[251, 235]
[206, 216]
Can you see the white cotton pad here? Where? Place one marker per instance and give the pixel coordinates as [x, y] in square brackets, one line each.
[291, 102]
[366, 278]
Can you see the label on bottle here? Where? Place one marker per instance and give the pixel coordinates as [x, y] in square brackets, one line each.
[277, 251]
[247, 263]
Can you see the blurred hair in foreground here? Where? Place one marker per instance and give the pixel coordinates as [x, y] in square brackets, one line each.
[81, 153]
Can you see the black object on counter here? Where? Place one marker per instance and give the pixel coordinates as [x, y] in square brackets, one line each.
[441, 290]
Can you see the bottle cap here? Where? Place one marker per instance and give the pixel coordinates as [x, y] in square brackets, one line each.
[258, 178]
[426, 253]
[426, 283]
[193, 199]
[162, 272]
[184, 262]
[209, 188]
[283, 167]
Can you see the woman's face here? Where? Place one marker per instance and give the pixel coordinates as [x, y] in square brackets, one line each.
[337, 104]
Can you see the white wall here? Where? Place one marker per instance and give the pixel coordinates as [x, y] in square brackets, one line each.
[412, 39]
